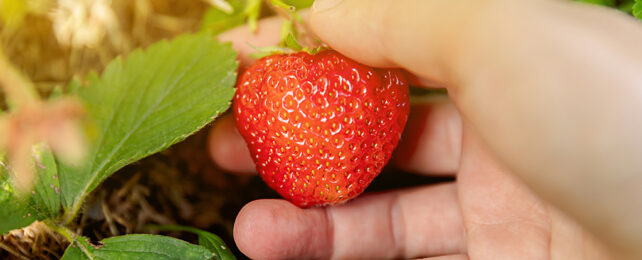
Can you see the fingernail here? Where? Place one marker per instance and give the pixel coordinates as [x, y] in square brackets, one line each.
[322, 5]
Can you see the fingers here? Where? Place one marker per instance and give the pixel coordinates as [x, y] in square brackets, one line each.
[227, 148]
[400, 224]
[568, 135]
[276, 229]
[431, 142]
[502, 217]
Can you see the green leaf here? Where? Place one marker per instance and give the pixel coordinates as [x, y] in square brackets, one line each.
[144, 104]
[137, 246]
[46, 193]
[43, 202]
[292, 43]
[626, 6]
[14, 213]
[598, 2]
[216, 245]
[210, 241]
[637, 9]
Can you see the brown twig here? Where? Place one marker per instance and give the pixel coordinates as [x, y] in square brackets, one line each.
[110, 222]
[11, 251]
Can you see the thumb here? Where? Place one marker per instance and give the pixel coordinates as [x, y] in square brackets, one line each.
[416, 35]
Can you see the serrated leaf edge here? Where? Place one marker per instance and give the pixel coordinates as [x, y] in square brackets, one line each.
[117, 64]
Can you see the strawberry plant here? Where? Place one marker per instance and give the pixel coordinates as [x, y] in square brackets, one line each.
[141, 104]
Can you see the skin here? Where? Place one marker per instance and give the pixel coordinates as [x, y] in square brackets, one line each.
[541, 129]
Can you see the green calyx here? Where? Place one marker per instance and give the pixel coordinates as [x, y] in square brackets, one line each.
[289, 34]
[288, 45]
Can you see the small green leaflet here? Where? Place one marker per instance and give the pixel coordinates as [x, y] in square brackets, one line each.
[137, 246]
[216, 21]
[637, 9]
[145, 103]
[210, 241]
[41, 203]
[292, 43]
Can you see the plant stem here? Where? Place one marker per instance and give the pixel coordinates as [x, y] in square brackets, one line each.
[62, 230]
[252, 11]
[19, 91]
[293, 24]
[283, 9]
[70, 213]
[70, 236]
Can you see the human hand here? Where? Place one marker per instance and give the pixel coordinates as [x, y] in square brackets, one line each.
[486, 213]
[503, 86]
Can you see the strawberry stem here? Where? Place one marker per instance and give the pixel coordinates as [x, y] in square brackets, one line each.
[289, 33]
[287, 28]
[252, 11]
[283, 6]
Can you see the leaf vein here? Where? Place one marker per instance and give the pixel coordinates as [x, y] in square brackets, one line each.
[96, 173]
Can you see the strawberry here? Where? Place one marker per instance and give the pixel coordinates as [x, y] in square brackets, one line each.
[320, 127]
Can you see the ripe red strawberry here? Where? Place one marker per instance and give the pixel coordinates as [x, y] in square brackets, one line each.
[320, 127]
